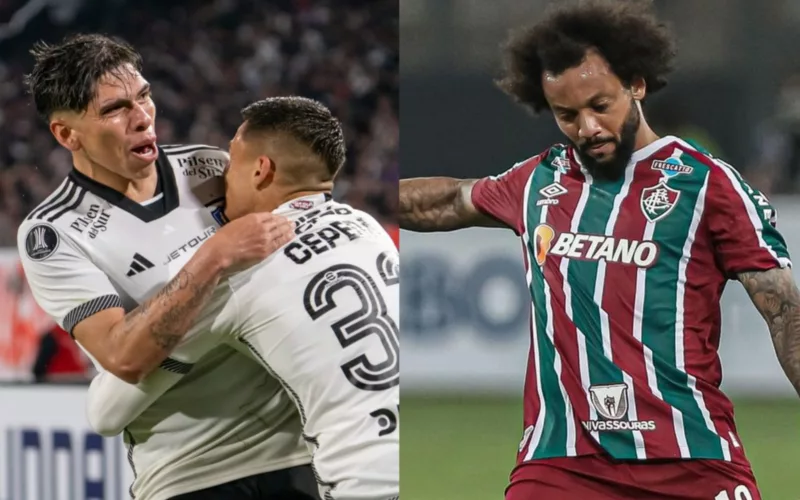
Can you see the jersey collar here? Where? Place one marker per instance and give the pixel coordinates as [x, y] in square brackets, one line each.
[651, 149]
[636, 157]
[303, 203]
[166, 178]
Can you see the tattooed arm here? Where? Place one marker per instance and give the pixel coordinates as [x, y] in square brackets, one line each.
[777, 298]
[133, 345]
[439, 204]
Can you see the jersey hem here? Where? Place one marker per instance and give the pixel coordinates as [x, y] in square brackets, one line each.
[736, 460]
[167, 493]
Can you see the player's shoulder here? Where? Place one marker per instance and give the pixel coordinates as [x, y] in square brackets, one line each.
[370, 220]
[198, 169]
[182, 156]
[553, 157]
[182, 149]
[346, 209]
[682, 155]
[556, 157]
[366, 226]
[48, 221]
[37, 240]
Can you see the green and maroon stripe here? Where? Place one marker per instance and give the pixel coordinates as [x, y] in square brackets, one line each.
[549, 437]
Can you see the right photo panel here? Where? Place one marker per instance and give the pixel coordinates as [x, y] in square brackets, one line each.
[599, 208]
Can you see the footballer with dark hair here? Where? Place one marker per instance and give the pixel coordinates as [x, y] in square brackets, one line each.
[629, 239]
[321, 316]
[125, 255]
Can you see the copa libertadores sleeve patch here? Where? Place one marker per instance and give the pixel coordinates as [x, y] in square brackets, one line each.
[41, 242]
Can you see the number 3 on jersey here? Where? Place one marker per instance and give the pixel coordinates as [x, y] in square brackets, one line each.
[371, 319]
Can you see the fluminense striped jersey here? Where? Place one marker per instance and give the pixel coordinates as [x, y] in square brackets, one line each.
[625, 280]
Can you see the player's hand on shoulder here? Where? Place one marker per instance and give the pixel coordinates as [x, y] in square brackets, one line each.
[250, 239]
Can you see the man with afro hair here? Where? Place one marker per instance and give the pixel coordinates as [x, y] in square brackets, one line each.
[629, 240]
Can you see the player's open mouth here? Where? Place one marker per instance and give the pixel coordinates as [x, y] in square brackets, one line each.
[146, 152]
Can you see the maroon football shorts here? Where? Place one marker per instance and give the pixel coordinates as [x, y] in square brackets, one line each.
[599, 477]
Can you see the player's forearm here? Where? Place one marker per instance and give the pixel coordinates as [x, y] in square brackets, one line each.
[149, 333]
[776, 297]
[437, 204]
[112, 404]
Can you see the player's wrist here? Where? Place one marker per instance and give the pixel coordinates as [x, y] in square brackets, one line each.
[213, 258]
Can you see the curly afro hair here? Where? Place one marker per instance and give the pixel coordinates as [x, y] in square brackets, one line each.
[625, 32]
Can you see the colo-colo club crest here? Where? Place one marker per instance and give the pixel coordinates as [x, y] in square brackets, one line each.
[659, 200]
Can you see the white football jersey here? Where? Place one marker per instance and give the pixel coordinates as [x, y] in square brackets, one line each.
[87, 248]
[322, 315]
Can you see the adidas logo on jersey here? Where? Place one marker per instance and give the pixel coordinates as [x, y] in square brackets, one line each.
[139, 264]
[592, 247]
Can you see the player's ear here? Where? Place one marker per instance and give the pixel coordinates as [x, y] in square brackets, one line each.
[64, 134]
[265, 172]
[638, 88]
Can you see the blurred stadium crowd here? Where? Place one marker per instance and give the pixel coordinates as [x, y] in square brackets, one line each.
[206, 59]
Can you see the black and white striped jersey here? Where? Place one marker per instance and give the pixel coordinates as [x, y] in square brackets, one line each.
[88, 248]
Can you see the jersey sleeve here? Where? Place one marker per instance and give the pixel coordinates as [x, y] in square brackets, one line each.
[65, 282]
[112, 404]
[743, 224]
[502, 196]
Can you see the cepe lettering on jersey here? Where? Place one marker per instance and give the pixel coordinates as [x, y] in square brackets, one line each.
[309, 244]
[593, 247]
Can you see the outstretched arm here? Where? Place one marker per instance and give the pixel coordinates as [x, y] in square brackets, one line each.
[440, 204]
[775, 295]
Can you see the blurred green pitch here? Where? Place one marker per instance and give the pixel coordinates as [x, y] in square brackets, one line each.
[464, 448]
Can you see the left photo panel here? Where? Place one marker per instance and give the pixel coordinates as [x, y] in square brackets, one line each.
[199, 266]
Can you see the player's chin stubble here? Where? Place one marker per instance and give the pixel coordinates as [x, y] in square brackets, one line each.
[614, 167]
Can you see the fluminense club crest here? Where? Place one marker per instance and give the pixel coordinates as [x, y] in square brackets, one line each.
[658, 201]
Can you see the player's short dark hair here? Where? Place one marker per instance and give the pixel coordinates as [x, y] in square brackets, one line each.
[625, 32]
[306, 120]
[65, 75]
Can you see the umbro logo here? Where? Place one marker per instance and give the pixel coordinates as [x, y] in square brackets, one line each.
[550, 193]
[138, 265]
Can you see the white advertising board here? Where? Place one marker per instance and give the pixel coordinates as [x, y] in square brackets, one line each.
[49, 452]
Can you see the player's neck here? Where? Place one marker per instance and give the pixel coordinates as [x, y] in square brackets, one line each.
[644, 136]
[138, 190]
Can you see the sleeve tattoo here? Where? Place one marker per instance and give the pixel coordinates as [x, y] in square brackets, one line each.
[168, 331]
[438, 204]
[775, 295]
